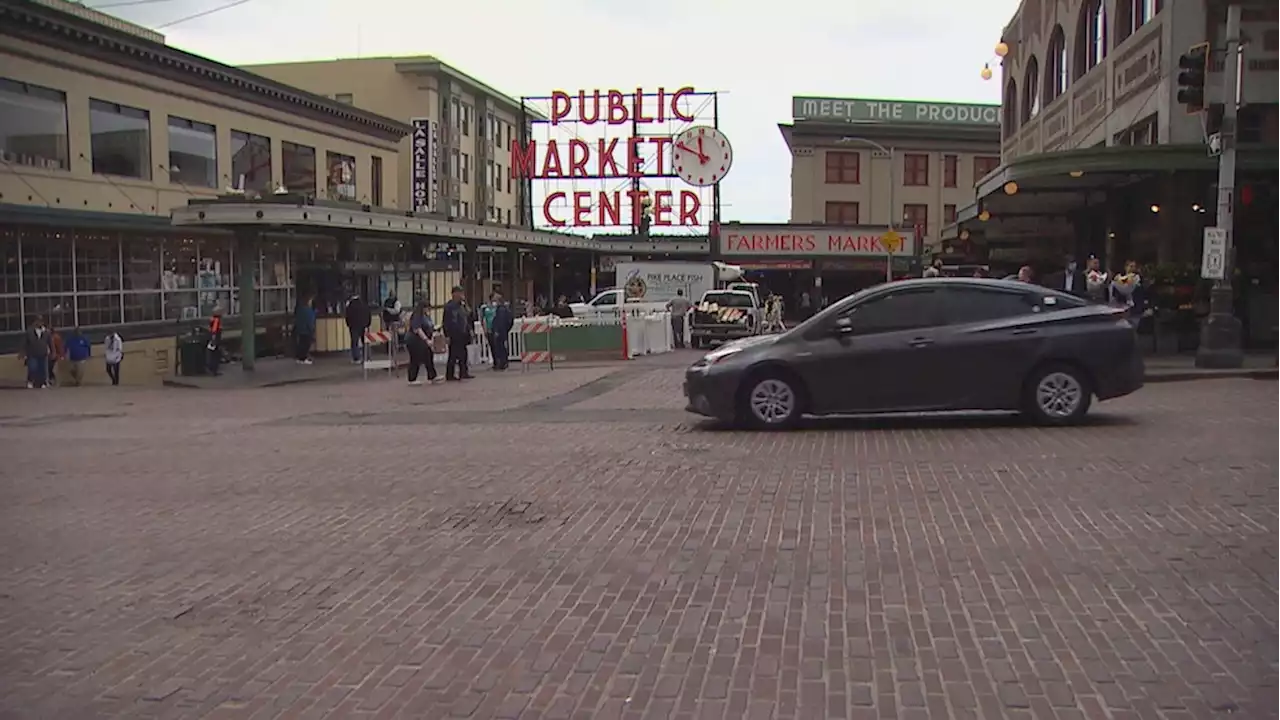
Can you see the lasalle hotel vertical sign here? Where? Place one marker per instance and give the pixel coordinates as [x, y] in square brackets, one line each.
[424, 160]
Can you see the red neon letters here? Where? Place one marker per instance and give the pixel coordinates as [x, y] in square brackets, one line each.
[615, 108]
[603, 159]
[607, 210]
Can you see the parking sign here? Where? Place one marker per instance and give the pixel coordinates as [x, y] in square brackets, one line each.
[1213, 260]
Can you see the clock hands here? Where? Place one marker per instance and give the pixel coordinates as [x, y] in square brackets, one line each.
[701, 156]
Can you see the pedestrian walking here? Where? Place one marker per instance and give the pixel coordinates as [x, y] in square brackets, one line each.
[500, 333]
[678, 306]
[213, 350]
[304, 328]
[418, 340]
[57, 351]
[457, 328]
[78, 352]
[37, 346]
[358, 321]
[113, 351]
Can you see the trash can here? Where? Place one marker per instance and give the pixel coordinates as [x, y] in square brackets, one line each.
[191, 354]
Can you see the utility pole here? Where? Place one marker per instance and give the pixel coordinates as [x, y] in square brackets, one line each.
[1220, 333]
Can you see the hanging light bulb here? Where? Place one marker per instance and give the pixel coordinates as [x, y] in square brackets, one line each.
[986, 71]
[1002, 49]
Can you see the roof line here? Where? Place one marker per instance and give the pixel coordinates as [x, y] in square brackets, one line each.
[52, 27]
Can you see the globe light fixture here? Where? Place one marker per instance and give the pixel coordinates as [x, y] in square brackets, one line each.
[984, 216]
[1011, 188]
[1002, 49]
[986, 71]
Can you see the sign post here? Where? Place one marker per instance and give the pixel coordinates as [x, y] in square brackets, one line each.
[892, 243]
[1213, 259]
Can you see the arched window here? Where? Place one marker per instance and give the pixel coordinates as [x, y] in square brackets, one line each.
[1055, 66]
[1091, 37]
[1009, 111]
[1031, 89]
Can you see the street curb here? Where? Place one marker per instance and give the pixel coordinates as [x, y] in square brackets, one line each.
[1189, 375]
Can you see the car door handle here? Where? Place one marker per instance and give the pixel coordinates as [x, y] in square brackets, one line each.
[1026, 331]
[920, 342]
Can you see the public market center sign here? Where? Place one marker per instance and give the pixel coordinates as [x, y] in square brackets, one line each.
[858, 110]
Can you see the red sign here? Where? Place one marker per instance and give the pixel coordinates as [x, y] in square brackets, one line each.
[615, 107]
[766, 240]
[609, 159]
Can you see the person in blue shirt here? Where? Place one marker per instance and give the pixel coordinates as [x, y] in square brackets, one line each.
[499, 328]
[78, 352]
[304, 328]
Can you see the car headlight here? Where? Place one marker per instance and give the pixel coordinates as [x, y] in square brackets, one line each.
[720, 355]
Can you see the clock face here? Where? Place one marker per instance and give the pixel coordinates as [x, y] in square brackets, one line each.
[701, 155]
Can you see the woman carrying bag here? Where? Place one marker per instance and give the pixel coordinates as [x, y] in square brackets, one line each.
[419, 341]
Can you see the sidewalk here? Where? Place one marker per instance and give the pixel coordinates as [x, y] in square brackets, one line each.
[1173, 368]
[276, 372]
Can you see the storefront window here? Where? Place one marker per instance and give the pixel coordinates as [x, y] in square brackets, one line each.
[193, 153]
[214, 273]
[342, 177]
[97, 309]
[275, 265]
[178, 279]
[11, 319]
[46, 263]
[10, 279]
[58, 311]
[250, 162]
[120, 140]
[97, 262]
[33, 126]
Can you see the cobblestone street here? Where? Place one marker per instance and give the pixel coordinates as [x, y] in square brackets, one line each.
[571, 544]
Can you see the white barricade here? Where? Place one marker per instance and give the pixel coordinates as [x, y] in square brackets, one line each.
[369, 360]
[649, 334]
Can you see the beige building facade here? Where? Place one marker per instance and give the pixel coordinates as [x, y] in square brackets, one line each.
[866, 162]
[468, 128]
[104, 130]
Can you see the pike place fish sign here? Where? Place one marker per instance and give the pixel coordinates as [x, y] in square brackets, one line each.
[861, 110]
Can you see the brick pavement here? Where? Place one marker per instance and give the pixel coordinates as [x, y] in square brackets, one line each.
[572, 545]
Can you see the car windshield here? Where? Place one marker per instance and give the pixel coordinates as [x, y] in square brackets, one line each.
[737, 300]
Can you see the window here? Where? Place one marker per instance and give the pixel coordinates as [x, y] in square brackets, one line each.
[1055, 67]
[467, 113]
[610, 299]
[1031, 90]
[341, 184]
[844, 168]
[1143, 132]
[497, 178]
[984, 165]
[193, 153]
[33, 126]
[345, 98]
[250, 162]
[1009, 110]
[1091, 37]
[375, 180]
[915, 169]
[842, 213]
[466, 209]
[120, 140]
[896, 311]
[299, 165]
[455, 165]
[1133, 14]
[948, 214]
[456, 106]
[466, 168]
[508, 216]
[456, 206]
[970, 305]
[916, 215]
[950, 168]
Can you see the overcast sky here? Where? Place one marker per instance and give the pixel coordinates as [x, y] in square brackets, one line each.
[760, 54]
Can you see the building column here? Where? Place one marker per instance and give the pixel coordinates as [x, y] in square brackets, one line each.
[249, 250]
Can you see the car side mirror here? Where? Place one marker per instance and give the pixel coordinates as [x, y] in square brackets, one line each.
[843, 326]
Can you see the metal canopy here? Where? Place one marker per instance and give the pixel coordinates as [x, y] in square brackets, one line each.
[318, 218]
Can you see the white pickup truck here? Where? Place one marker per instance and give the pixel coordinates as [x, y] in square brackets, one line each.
[609, 302]
[723, 315]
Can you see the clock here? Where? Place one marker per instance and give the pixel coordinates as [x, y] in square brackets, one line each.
[701, 155]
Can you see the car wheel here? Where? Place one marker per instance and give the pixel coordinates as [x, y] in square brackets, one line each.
[1058, 395]
[770, 402]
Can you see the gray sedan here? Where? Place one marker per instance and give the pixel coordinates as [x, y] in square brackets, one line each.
[928, 345]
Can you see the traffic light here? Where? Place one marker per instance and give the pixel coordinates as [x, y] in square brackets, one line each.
[1192, 68]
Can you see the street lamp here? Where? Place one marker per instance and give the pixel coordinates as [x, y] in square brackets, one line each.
[888, 151]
